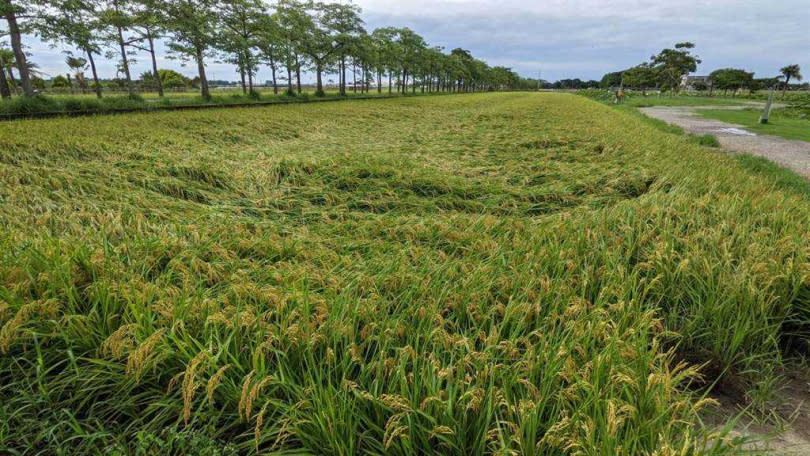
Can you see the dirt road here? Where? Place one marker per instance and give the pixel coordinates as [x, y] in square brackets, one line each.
[789, 153]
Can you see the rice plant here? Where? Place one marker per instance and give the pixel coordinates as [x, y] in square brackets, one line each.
[480, 274]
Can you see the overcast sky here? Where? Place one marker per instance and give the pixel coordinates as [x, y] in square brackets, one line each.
[573, 38]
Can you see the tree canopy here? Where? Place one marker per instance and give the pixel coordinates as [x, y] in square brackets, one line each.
[731, 79]
[291, 35]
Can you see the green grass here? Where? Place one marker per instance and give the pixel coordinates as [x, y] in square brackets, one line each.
[781, 123]
[88, 103]
[486, 274]
[675, 100]
[637, 99]
[707, 140]
[781, 178]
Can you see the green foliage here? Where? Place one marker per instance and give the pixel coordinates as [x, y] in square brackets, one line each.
[708, 141]
[38, 83]
[702, 86]
[670, 65]
[175, 442]
[641, 76]
[486, 274]
[790, 72]
[193, 33]
[28, 105]
[170, 79]
[296, 35]
[90, 105]
[732, 79]
[664, 70]
[60, 82]
[76, 64]
[611, 80]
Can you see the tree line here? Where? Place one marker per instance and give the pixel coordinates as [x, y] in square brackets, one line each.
[664, 70]
[288, 37]
[736, 79]
[667, 70]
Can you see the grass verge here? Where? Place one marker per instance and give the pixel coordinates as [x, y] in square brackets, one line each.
[785, 123]
[51, 106]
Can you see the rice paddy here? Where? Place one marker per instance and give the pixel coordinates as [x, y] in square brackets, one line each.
[506, 273]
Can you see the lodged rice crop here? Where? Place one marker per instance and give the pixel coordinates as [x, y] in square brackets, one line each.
[479, 274]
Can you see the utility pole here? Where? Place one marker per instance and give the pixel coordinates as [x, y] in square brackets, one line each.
[767, 113]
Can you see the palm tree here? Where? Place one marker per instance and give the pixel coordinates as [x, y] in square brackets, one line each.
[790, 72]
[76, 65]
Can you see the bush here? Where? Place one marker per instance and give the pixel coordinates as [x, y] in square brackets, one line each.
[29, 105]
[80, 104]
[707, 140]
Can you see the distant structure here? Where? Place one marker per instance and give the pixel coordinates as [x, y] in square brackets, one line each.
[692, 83]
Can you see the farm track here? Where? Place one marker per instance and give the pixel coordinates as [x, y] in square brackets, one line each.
[789, 153]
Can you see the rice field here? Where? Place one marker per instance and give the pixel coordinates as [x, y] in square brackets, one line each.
[506, 273]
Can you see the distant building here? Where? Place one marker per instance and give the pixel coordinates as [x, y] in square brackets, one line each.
[691, 83]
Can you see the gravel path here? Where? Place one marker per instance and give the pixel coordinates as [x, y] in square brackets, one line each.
[789, 153]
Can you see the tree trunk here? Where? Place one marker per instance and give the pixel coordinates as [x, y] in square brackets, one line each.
[249, 67]
[298, 73]
[784, 89]
[154, 63]
[379, 82]
[96, 84]
[390, 81]
[19, 55]
[275, 83]
[343, 76]
[12, 79]
[70, 83]
[130, 85]
[206, 94]
[354, 76]
[366, 83]
[319, 87]
[289, 81]
[5, 91]
[242, 75]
